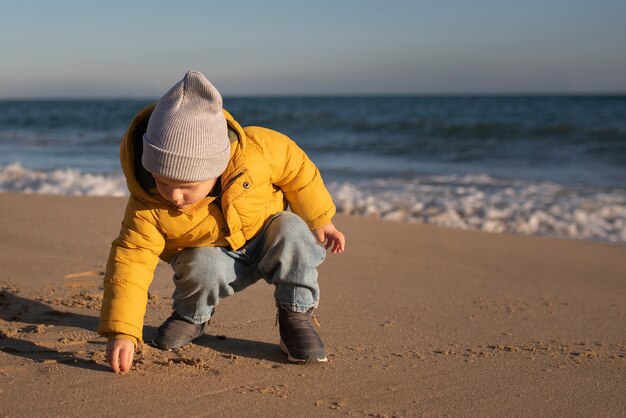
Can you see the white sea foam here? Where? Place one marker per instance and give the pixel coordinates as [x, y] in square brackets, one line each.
[68, 181]
[489, 204]
[477, 202]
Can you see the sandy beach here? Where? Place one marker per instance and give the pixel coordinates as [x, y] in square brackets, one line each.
[417, 320]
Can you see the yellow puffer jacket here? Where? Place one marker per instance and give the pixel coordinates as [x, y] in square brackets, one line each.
[267, 171]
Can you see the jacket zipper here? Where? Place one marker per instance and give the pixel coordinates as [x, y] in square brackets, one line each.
[218, 199]
[230, 182]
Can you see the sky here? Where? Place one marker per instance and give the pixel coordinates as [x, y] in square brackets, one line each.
[138, 49]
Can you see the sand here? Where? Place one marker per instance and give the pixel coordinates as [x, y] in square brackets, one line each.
[417, 320]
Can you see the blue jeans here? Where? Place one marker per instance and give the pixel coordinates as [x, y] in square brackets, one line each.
[285, 253]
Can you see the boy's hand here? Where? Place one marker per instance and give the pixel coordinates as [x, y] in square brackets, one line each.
[333, 238]
[120, 353]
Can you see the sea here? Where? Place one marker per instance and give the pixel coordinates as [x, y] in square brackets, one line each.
[534, 165]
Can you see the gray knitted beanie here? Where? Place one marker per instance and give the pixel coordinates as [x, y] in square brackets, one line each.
[187, 135]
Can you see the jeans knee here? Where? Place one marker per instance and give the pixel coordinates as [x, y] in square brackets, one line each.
[206, 265]
[290, 248]
[290, 227]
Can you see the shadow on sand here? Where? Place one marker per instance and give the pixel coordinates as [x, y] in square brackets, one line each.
[15, 308]
[243, 348]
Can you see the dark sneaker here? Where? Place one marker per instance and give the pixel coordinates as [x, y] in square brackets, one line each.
[298, 338]
[176, 332]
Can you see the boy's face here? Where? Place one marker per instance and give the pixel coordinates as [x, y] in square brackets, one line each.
[183, 194]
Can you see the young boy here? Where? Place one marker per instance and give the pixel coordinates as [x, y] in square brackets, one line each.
[211, 198]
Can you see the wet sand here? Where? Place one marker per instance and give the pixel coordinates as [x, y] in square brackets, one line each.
[417, 320]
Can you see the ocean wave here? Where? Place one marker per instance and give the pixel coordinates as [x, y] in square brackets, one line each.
[472, 202]
[481, 202]
[68, 181]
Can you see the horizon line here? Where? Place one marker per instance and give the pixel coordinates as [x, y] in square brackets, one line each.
[334, 95]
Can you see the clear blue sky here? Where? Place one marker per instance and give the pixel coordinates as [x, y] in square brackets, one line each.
[128, 48]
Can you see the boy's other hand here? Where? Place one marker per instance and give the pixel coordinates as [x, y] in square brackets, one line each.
[120, 353]
[332, 237]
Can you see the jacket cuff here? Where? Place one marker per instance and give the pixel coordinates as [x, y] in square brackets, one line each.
[322, 220]
[114, 336]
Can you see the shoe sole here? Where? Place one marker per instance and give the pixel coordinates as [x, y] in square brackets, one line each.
[285, 350]
[165, 347]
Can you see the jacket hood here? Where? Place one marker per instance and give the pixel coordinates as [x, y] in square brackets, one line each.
[140, 182]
